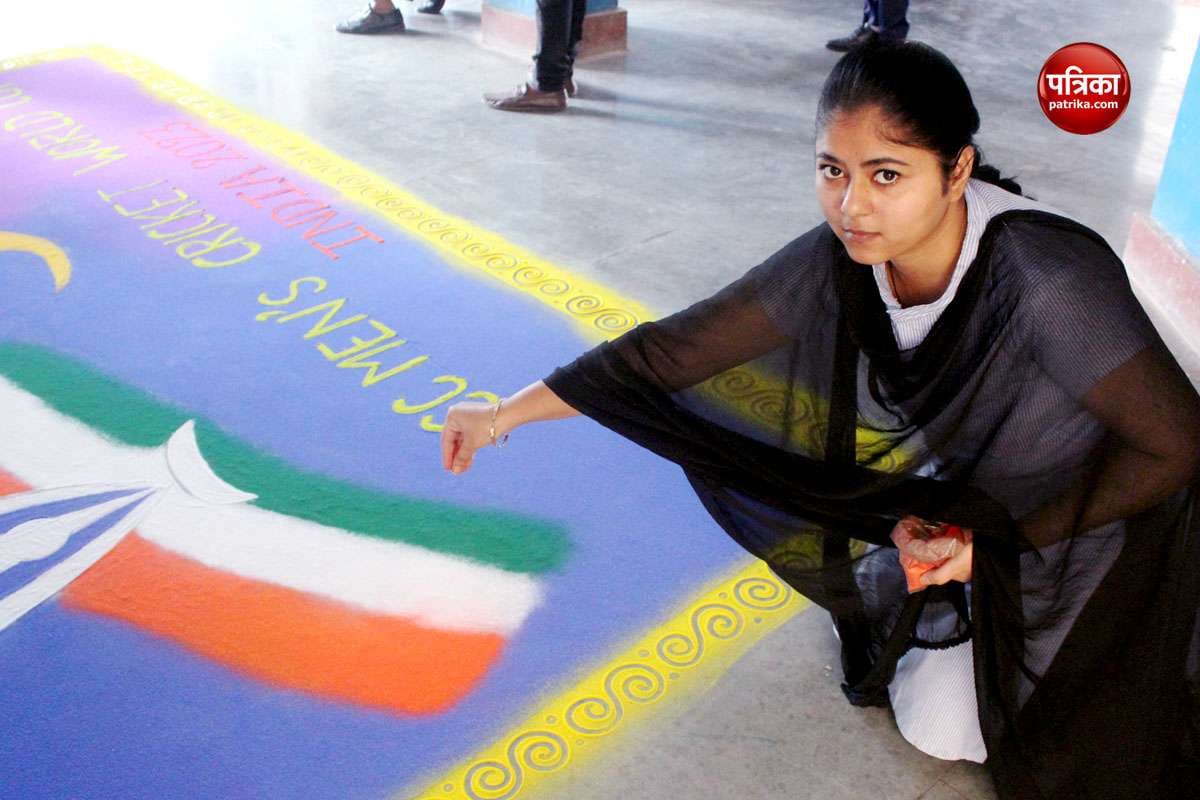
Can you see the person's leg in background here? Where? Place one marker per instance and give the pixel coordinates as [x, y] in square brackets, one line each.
[560, 28]
[578, 14]
[890, 18]
[882, 19]
[552, 61]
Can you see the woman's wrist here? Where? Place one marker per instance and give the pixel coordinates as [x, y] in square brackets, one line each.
[506, 415]
[534, 403]
[498, 435]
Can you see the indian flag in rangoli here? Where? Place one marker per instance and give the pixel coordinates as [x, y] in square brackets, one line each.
[292, 578]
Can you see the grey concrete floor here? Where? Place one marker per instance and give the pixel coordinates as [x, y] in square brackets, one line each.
[680, 165]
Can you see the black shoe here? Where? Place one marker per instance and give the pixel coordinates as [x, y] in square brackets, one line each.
[432, 7]
[857, 39]
[373, 23]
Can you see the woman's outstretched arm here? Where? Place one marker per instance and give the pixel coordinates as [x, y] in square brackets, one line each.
[681, 350]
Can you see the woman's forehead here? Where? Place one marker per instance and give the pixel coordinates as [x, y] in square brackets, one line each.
[866, 135]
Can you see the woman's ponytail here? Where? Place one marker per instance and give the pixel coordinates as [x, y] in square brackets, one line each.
[989, 174]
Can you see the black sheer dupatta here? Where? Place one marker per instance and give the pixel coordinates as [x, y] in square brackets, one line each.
[1042, 411]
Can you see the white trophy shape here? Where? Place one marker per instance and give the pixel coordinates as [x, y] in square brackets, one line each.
[178, 467]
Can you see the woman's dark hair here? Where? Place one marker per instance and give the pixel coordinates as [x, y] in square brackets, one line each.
[922, 93]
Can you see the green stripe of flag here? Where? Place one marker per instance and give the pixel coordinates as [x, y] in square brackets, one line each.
[130, 416]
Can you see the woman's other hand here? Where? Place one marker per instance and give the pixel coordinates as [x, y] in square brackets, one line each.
[931, 553]
[956, 568]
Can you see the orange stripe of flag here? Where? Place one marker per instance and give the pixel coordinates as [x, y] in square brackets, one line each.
[10, 484]
[282, 636]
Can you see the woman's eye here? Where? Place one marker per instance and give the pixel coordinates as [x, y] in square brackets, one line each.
[887, 176]
[830, 171]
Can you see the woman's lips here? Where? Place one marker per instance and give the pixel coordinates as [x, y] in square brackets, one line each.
[858, 237]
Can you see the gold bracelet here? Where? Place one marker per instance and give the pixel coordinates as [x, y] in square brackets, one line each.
[492, 428]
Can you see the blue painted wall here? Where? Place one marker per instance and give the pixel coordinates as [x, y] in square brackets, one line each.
[529, 7]
[1177, 203]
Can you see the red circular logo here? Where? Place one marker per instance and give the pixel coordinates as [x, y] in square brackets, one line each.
[1083, 88]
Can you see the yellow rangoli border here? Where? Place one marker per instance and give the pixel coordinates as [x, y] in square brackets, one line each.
[673, 661]
[683, 655]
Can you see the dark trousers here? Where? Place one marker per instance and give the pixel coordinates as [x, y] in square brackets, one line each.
[889, 17]
[560, 27]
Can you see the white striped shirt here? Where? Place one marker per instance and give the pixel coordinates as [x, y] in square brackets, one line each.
[984, 201]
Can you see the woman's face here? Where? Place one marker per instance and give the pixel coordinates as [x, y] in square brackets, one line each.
[885, 201]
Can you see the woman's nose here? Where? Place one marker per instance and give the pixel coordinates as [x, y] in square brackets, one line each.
[856, 201]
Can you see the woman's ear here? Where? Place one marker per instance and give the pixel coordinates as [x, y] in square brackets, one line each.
[964, 164]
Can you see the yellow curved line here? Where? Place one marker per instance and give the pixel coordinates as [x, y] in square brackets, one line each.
[56, 260]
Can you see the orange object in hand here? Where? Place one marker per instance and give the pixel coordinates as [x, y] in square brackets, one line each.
[926, 545]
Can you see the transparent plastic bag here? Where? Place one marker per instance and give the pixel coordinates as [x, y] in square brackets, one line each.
[925, 545]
